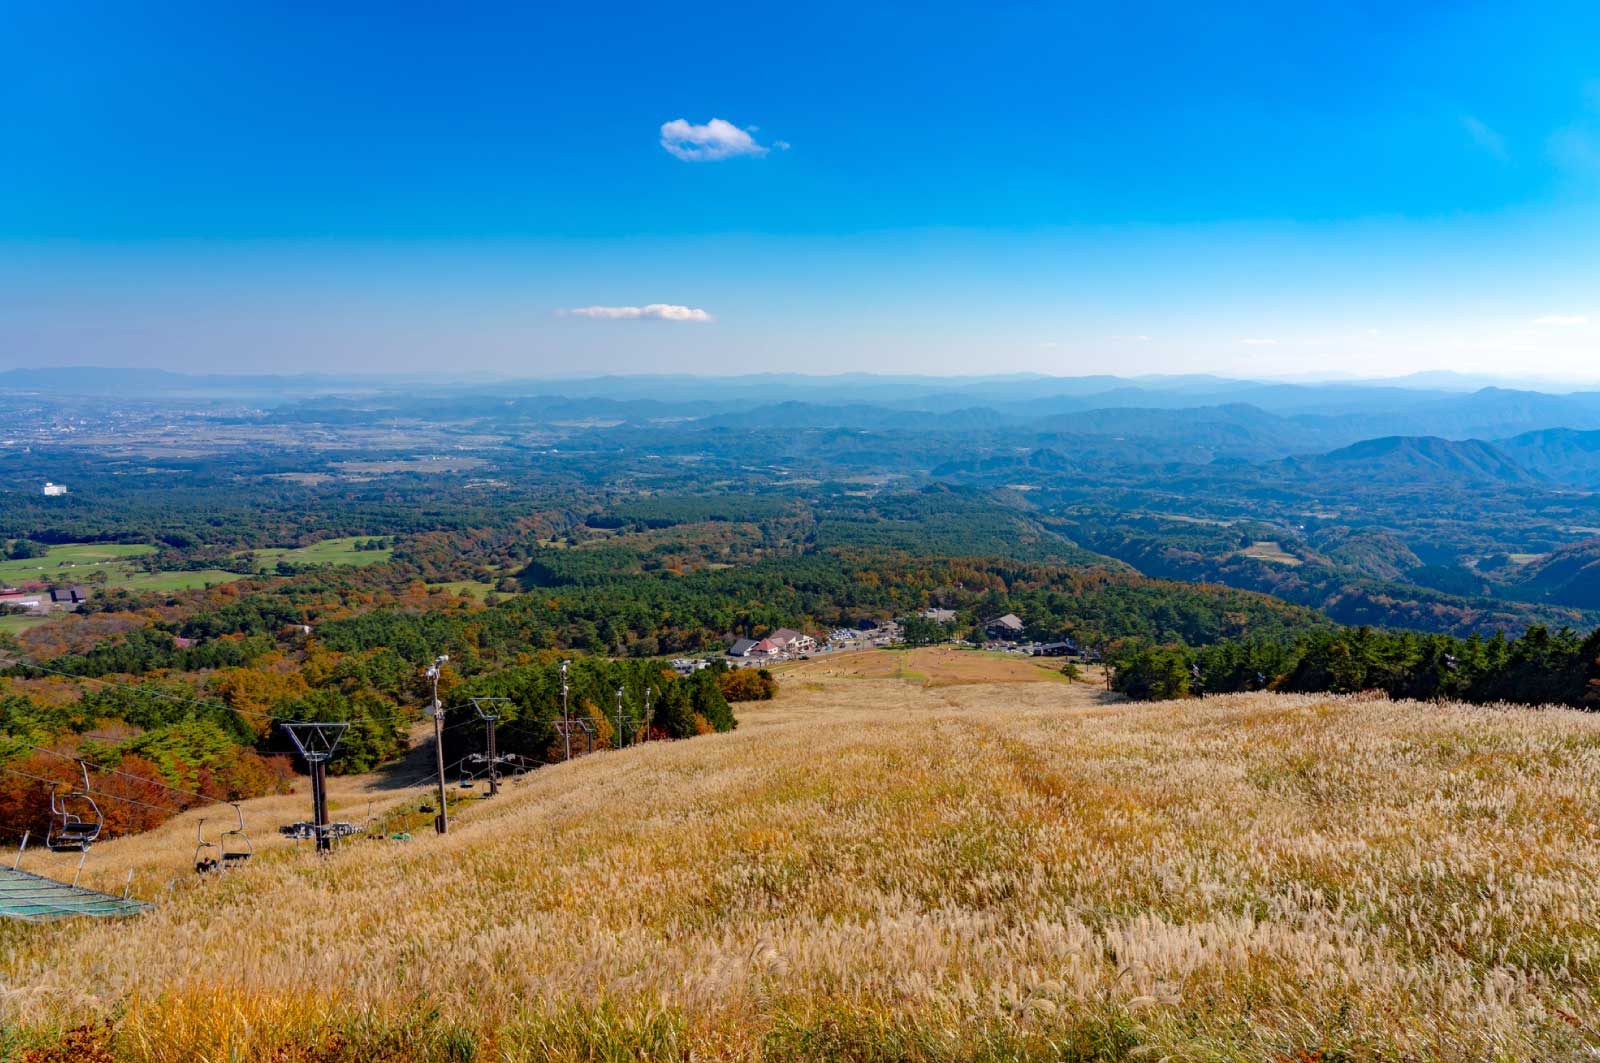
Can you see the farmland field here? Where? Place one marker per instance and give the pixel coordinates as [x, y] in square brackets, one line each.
[72, 561]
[16, 623]
[326, 552]
[875, 870]
[1269, 550]
[177, 581]
[76, 562]
[471, 588]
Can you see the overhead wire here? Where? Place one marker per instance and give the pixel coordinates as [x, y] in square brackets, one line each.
[96, 793]
[145, 691]
[162, 695]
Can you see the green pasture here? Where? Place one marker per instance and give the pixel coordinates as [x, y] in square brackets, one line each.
[16, 623]
[327, 552]
[71, 562]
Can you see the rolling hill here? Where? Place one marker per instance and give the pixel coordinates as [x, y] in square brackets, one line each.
[1412, 457]
[901, 869]
[1562, 455]
[1568, 576]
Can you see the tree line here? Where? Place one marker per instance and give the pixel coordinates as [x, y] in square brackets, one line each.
[1541, 666]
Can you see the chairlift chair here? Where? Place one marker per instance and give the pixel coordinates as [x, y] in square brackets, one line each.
[75, 818]
[207, 856]
[233, 844]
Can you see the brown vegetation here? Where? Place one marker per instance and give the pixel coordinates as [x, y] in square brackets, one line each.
[872, 870]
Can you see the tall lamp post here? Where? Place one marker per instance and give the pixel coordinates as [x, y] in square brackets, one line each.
[566, 720]
[441, 822]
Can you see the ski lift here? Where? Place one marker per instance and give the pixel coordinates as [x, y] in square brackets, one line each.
[233, 844]
[207, 856]
[76, 819]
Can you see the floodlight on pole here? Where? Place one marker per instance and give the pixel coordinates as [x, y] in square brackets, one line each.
[566, 719]
[441, 822]
[619, 717]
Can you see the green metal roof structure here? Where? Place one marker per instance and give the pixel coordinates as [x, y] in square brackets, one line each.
[36, 899]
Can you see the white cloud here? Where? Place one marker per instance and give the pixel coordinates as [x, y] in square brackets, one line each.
[1259, 342]
[1485, 137]
[1562, 319]
[652, 312]
[711, 142]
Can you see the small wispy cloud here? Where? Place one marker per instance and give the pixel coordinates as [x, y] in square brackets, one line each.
[712, 142]
[1259, 341]
[1485, 137]
[651, 312]
[1562, 320]
[1576, 148]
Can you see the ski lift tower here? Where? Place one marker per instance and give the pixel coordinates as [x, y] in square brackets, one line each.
[316, 743]
[490, 711]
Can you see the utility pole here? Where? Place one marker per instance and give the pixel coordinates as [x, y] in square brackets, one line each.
[646, 736]
[566, 721]
[619, 717]
[441, 822]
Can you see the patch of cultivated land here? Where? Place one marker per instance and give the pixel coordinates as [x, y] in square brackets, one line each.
[17, 623]
[71, 561]
[1269, 550]
[874, 870]
[326, 552]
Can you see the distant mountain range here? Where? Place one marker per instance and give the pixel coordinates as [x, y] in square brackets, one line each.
[1562, 455]
[1384, 429]
[1410, 458]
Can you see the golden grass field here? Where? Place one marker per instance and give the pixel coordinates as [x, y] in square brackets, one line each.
[927, 666]
[877, 870]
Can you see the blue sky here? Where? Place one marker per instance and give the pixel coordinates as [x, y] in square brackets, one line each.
[1360, 188]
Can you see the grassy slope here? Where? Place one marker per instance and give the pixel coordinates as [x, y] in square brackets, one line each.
[881, 870]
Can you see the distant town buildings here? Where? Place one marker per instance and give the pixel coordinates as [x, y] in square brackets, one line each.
[22, 601]
[1005, 627]
[788, 640]
[52, 490]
